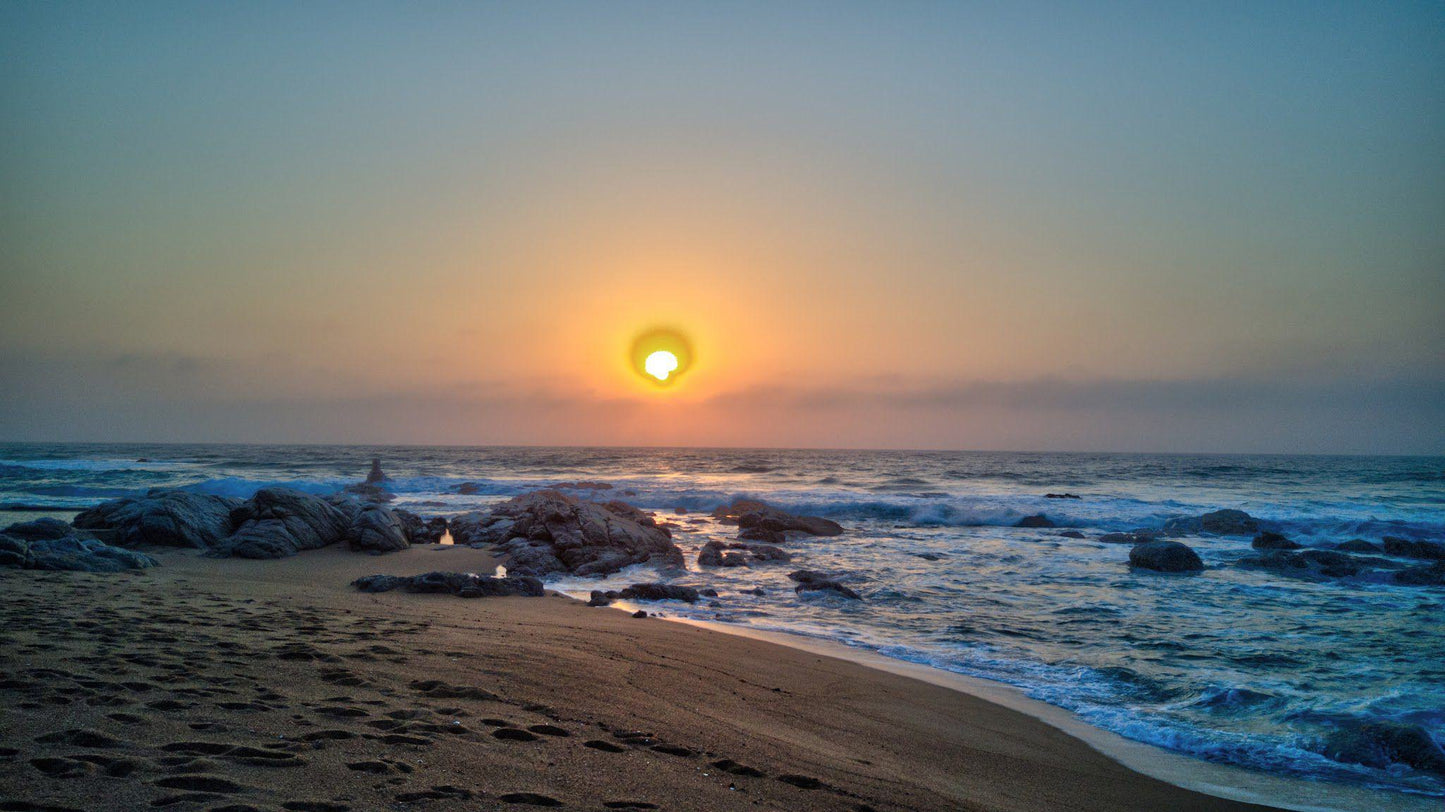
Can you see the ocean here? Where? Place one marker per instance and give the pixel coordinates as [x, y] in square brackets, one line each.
[1236, 666]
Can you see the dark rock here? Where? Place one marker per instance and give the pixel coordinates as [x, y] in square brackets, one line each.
[163, 518]
[375, 477]
[279, 522]
[714, 554]
[468, 489]
[377, 530]
[1072, 534]
[549, 531]
[757, 590]
[1061, 496]
[461, 584]
[75, 552]
[734, 554]
[367, 492]
[419, 530]
[1037, 520]
[762, 534]
[749, 513]
[1165, 556]
[640, 613]
[1306, 563]
[659, 592]
[1219, 522]
[39, 530]
[680, 510]
[1270, 540]
[599, 598]
[1410, 548]
[1384, 744]
[1359, 546]
[768, 553]
[813, 581]
[1132, 537]
[1424, 575]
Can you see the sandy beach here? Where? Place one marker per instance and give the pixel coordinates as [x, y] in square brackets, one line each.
[232, 684]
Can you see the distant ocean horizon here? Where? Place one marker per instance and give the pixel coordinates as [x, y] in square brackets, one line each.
[1235, 665]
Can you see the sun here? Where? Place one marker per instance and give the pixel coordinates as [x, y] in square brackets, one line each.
[660, 364]
[661, 356]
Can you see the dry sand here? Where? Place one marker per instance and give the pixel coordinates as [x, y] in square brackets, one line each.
[237, 685]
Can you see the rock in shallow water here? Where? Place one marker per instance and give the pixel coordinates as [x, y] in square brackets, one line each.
[461, 584]
[1036, 520]
[1306, 564]
[1165, 556]
[659, 592]
[1385, 744]
[813, 581]
[1270, 540]
[750, 513]
[1412, 548]
[1219, 523]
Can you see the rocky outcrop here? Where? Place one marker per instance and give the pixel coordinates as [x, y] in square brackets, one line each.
[750, 513]
[1358, 546]
[49, 544]
[375, 476]
[280, 522]
[1219, 523]
[275, 523]
[813, 581]
[1165, 556]
[549, 531]
[1270, 540]
[737, 554]
[162, 518]
[461, 584]
[1412, 548]
[1036, 520]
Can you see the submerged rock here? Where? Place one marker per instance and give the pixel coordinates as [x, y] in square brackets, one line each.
[1411, 548]
[549, 531]
[750, 513]
[813, 581]
[1426, 575]
[737, 554]
[162, 518]
[1165, 556]
[1062, 496]
[1219, 523]
[1385, 744]
[1359, 546]
[1270, 540]
[1306, 563]
[1131, 537]
[1036, 520]
[461, 584]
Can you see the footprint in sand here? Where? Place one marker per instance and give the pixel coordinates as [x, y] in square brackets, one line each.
[512, 734]
[605, 746]
[530, 799]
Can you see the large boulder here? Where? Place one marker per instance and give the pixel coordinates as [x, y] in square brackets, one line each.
[1412, 548]
[461, 584]
[279, 522]
[750, 513]
[1219, 523]
[549, 531]
[163, 518]
[377, 530]
[813, 581]
[1165, 556]
[73, 550]
[1270, 540]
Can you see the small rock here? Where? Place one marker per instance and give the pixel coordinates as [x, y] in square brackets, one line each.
[1165, 556]
[639, 613]
[1037, 520]
[1270, 540]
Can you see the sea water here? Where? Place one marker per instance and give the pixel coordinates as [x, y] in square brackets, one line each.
[1233, 665]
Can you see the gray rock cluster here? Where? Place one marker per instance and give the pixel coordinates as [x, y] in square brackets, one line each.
[275, 523]
[550, 531]
[740, 554]
[813, 581]
[50, 544]
[461, 584]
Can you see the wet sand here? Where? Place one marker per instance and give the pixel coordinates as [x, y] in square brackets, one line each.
[272, 685]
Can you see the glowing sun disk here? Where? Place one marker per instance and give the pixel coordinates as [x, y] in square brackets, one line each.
[660, 364]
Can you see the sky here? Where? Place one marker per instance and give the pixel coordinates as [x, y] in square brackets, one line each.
[1058, 226]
